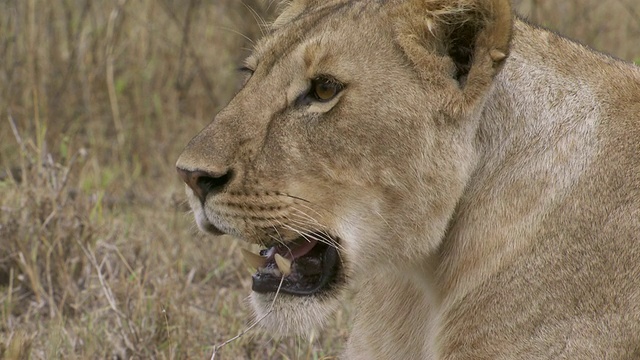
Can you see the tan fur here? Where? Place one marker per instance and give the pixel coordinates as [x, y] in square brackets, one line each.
[487, 209]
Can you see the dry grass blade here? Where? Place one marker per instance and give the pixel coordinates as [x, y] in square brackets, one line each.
[216, 348]
[106, 289]
[113, 98]
[16, 133]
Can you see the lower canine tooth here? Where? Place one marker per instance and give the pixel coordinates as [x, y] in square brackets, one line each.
[253, 260]
[284, 264]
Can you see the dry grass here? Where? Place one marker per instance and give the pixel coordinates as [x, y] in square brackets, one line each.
[612, 26]
[98, 255]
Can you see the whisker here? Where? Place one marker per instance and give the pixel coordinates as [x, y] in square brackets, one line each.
[294, 197]
[318, 235]
[278, 239]
[303, 218]
[237, 33]
[262, 24]
[325, 239]
[306, 216]
[305, 221]
[305, 202]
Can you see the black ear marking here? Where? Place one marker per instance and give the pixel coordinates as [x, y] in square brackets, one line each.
[462, 41]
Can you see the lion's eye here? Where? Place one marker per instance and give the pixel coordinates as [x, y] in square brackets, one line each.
[324, 89]
[246, 70]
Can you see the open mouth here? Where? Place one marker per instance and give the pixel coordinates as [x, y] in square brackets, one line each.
[309, 267]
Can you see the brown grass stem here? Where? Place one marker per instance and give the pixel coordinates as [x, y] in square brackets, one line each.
[216, 348]
[113, 96]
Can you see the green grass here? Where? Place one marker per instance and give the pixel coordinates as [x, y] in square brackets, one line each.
[99, 257]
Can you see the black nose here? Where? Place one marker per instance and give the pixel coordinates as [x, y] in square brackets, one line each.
[204, 183]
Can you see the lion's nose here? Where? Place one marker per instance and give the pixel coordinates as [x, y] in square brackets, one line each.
[204, 183]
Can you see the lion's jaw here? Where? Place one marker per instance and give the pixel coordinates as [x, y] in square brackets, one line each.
[380, 179]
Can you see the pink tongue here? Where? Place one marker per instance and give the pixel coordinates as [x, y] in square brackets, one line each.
[292, 253]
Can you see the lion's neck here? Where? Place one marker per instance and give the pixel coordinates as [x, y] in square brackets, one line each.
[536, 138]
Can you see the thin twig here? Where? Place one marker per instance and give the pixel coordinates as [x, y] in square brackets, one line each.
[218, 347]
[184, 81]
[166, 322]
[108, 294]
[111, 88]
[16, 133]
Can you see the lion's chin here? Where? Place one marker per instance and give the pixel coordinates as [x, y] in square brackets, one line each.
[290, 314]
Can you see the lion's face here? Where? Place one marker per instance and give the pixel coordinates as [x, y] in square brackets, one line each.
[335, 156]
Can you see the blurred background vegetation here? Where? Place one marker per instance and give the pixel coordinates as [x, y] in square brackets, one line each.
[98, 254]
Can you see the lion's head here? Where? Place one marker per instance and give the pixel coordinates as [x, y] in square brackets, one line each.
[348, 146]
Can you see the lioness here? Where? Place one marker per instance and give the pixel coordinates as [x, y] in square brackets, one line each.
[474, 179]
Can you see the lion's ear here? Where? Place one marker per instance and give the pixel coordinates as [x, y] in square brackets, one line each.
[464, 40]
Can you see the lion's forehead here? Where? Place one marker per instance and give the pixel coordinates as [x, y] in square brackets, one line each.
[311, 23]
